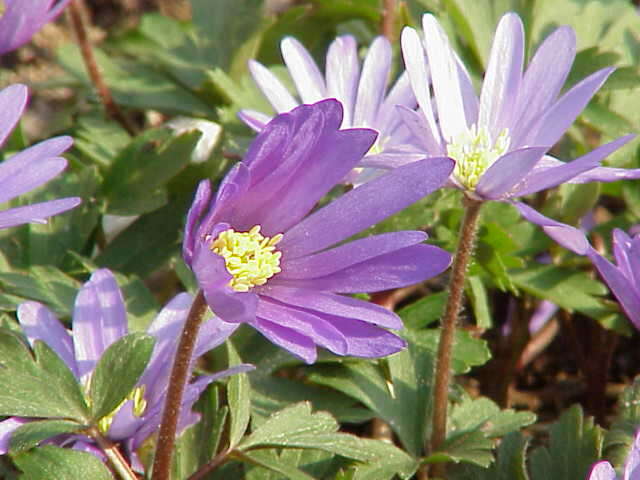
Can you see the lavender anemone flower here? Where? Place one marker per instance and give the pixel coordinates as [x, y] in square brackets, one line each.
[362, 92]
[30, 168]
[624, 278]
[500, 140]
[604, 470]
[262, 259]
[21, 19]
[100, 319]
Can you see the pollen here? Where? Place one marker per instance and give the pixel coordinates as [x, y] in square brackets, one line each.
[250, 257]
[474, 152]
[139, 407]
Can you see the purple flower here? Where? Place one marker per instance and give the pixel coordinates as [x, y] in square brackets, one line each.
[30, 168]
[604, 470]
[21, 19]
[500, 140]
[262, 259]
[624, 277]
[100, 319]
[362, 92]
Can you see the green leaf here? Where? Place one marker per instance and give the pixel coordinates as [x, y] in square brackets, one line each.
[425, 311]
[510, 463]
[37, 387]
[239, 398]
[49, 462]
[272, 462]
[481, 414]
[44, 284]
[124, 360]
[575, 445]
[470, 447]
[297, 427]
[31, 434]
[135, 183]
[480, 302]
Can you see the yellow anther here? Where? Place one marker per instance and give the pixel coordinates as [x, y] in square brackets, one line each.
[250, 257]
[139, 406]
[474, 152]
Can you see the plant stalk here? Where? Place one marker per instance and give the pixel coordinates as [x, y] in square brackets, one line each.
[216, 462]
[110, 106]
[120, 465]
[177, 385]
[388, 20]
[463, 254]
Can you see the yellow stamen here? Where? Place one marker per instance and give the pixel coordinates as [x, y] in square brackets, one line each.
[139, 407]
[474, 152]
[250, 257]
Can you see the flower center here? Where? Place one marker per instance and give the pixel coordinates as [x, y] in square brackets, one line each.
[474, 152]
[250, 257]
[139, 407]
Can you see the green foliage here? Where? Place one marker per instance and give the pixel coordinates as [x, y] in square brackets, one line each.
[50, 462]
[125, 360]
[31, 434]
[575, 444]
[619, 438]
[38, 383]
[239, 394]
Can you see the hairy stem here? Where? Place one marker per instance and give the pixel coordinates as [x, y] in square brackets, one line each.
[110, 106]
[111, 451]
[177, 384]
[464, 250]
[388, 19]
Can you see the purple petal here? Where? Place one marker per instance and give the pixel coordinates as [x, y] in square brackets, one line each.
[620, 286]
[621, 249]
[507, 171]
[196, 211]
[213, 278]
[332, 304]
[569, 237]
[37, 213]
[29, 177]
[7, 427]
[330, 261]
[552, 125]
[602, 471]
[303, 70]
[52, 147]
[550, 172]
[416, 65]
[13, 100]
[632, 465]
[304, 322]
[365, 206]
[504, 73]
[400, 94]
[373, 82]
[125, 423]
[543, 80]
[278, 96]
[39, 323]
[445, 78]
[424, 137]
[542, 315]
[342, 73]
[397, 269]
[255, 120]
[366, 340]
[299, 345]
[99, 319]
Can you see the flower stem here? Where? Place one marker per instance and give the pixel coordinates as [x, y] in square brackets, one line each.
[111, 451]
[388, 19]
[112, 109]
[177, 384]
[464, 250]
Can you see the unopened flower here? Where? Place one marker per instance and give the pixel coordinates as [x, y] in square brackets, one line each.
[500, 140]
[21, 19]
[362, 90]
[30, 168]
[99, 320]
[261, 258]
[605, 471]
